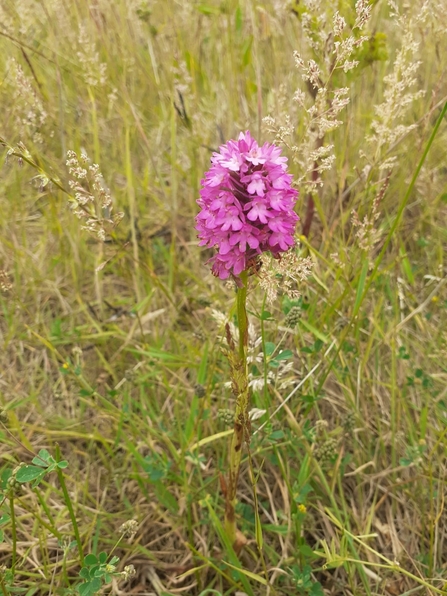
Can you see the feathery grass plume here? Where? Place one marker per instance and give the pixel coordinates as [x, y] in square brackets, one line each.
[19, 17]
[94, 71]
[27, 108]
[92, 201]
[367, 232]
[284, 274]
[334, 47]
[389, 125]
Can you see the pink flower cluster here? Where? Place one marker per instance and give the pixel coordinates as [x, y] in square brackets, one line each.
[246, 205]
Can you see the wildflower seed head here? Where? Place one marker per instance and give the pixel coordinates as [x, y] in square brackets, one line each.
[321, 426]
[199, 390]
[349, 423]
[327, 451]
[131, 375]
[128, 528]
[293, 316]
[226, 416]
[246, 205]
[13, 485]
[128, 572]
[5, 284]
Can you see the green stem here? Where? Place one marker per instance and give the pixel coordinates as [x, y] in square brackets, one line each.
[37, 517]
[242, 319]
[239, 377]
[14, 534]
[2, 585]
[69, 505]
[265, 371]
[51, 526]
[117, 543]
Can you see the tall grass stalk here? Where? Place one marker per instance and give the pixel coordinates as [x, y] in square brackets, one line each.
[69, 505]
[13, 534]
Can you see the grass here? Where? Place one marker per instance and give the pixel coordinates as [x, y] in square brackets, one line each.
[113, 383]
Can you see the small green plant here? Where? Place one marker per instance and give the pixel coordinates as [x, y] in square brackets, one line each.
[97, 572]
[414, 455]
[43, 464]
[302, 578]
[6, 579]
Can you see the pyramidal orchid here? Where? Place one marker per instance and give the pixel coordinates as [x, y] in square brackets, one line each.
[246, 208]
[246, 205]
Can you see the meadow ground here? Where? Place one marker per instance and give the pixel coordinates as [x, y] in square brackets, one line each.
[116, 410]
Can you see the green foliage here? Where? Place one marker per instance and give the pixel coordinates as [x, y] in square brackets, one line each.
[374, 50]
[413, 455]
[44, 464]
[96, 572]
[314, 348]
[304, 583]
[274, 357]
[300, 493]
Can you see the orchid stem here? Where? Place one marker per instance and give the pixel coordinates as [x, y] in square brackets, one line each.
[239, 374]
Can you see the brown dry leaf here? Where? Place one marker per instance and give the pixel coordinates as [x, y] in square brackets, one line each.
[240, 542]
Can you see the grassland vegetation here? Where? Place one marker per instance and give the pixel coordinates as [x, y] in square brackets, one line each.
[116, 409]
